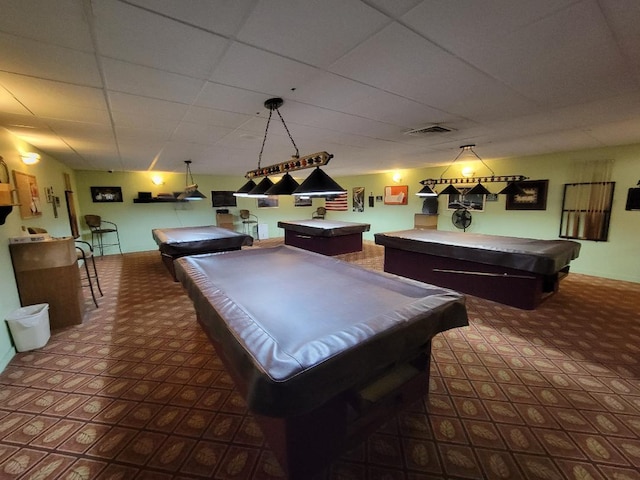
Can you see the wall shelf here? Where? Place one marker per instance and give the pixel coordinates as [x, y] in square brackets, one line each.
[157, 200]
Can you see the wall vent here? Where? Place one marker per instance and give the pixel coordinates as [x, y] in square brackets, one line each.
[430, 129]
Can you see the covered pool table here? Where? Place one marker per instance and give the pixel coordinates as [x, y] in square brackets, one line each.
[329, 237]
[520, 272]
[323, 351]
[181, 241]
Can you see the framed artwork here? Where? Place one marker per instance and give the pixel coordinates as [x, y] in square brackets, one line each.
[268, 202]
[28, 195]
[533, 198]
[299, 201]
[396, 195]
[472, 201]
[106, 194]
[358, 199]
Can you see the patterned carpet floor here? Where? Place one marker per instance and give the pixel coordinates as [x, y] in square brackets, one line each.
[137, 392]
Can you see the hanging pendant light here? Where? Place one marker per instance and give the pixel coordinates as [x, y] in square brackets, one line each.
[244, 190]
[427, 191]
[468, 177]
[450, 190]
[479, 189]
[318, 184]
[512, 188]
[285, 186]
[259, 191]
[321, 182]
[191, 191]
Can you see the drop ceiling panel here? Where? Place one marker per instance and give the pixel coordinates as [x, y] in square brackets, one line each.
[572, 48]
[38, 59]
[337, 121]
[149, 82]
[395, 8]
[231, 99]
[221, 17]
[615, 133]
[623, 16]
[406, 114]
[9, 104]
[61, 23]
[254, 69]
[135, 111]
[465, 27]
[199, 133]
[430, 75]
[330, 91]
[316, 32]
[48, 99]
[141, 37]
[211, 116]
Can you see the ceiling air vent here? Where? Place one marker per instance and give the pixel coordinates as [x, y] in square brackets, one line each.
[430, 129]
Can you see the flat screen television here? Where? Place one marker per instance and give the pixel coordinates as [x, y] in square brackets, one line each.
[633, 199]
[223, 198]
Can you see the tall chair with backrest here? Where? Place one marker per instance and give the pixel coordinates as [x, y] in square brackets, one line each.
[249, 221]
[84, 252]
[319, 213]
[101, 229]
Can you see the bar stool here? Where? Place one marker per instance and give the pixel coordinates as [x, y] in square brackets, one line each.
[98, 231]
[85, 254]
[250, 221]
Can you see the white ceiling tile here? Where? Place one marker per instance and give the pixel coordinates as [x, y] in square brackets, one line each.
[199, 133]
[141, 37]
[573, 49]
[38, 59]
[149, 113]
[395, 8]
[61, 23]
[223, 17]
[276, 74]
[430, 75]
[49, 99]
[148, 82]
[316, 32]
[231, 99]
[468, 25]
[330, 91]
[211, 116]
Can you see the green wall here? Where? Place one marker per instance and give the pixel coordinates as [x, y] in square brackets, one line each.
[617, 258]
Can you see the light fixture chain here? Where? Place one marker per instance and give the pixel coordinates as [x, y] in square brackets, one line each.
[288, 133]
[264, 139]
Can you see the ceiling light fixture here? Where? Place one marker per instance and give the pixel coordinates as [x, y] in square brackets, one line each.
[315, 184]
[191, 191]
[478, 189]
[30, 158]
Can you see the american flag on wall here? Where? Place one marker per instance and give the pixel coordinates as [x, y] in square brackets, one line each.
[337, 202]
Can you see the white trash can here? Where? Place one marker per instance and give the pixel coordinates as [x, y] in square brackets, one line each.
[30, 326]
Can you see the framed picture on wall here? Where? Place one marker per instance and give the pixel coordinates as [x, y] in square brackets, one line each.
[396, 195]
[106, 194]
[534, 196]
[472, 201]
[268, 202]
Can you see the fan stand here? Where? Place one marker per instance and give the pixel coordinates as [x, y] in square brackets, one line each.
[461, 218]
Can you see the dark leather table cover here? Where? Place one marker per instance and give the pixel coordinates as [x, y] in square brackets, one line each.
[323, 228]
[301, 327]
[192, 240]
[545, 257]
